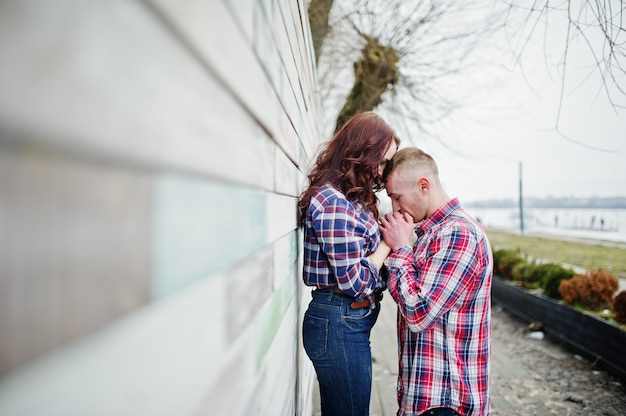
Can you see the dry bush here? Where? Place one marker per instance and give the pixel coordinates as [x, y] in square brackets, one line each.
[573, 289]
[593, 290]
[619, 307]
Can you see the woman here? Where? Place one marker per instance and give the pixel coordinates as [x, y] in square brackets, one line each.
[343, 255]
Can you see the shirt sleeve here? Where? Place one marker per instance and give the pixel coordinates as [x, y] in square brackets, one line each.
[344, 239]
[428, 286]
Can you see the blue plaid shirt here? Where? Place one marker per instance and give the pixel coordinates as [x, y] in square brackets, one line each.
[338, 237]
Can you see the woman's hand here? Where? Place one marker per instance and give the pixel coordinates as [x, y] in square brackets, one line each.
[380, 254]
[397, 230]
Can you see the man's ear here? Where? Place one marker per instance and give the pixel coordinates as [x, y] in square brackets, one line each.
[423, 184]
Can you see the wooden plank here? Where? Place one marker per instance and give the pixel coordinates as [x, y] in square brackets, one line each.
[292, 51]
[226, 52]
[273, 327]
[285, 262]
[243, 12]
[306, 371]
[171, 141]
[285, 51]
[274, 384]
[269, 58]
[281, 218]
[168, 354]
[201, 227]
[304, 55]
[300, 61]
[73, 252]
[118, 86]
[238, 368]
[221, 46]
[251, 276]
[269, 319]
[285, 175]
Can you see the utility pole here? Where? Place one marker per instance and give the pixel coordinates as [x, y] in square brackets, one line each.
[521, 203]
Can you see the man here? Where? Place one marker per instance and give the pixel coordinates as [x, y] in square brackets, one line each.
[442, 285]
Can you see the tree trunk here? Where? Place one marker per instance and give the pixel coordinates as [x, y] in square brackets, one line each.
[375, 72]
[318, 20]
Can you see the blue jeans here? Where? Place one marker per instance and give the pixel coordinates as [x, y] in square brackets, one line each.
[337, 340]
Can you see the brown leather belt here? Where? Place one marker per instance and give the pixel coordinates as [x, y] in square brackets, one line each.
[366, 303]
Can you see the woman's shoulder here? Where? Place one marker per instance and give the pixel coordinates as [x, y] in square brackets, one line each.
[326, 196]
[329, 192]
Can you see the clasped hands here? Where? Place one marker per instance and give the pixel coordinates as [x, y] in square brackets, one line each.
[397, 230]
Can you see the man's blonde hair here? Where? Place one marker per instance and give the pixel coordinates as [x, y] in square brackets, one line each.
[412, 158]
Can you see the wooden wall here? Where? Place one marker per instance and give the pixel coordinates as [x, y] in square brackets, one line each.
[151, 155]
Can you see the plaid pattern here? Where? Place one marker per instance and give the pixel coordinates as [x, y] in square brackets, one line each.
[443, 289]
[338, 237]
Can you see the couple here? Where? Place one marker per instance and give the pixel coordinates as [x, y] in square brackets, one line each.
[434, 259]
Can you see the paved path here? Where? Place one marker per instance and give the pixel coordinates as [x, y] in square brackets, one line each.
[529, 376]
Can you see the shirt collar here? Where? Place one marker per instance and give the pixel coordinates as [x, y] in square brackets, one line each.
[438, 216]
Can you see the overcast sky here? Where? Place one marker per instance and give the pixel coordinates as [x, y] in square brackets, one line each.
[514, 124]
[511, 118]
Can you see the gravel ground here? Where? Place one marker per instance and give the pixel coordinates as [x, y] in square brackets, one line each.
[536, 376]
[530, 376]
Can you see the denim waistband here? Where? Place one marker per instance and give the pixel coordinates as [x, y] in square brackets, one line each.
[332, 296]
[336, 292]
[329, 294]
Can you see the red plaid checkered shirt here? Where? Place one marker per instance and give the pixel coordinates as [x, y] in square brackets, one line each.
[443, 291]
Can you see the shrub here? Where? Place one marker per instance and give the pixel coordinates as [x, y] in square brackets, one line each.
[619, 307]
[520, 270]
[553, 275]
[532, 274]
[504, 260]
[593, 290]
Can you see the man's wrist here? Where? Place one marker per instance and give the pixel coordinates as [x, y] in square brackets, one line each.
[408, 246]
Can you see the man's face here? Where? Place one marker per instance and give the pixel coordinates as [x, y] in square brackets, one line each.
[407, 195]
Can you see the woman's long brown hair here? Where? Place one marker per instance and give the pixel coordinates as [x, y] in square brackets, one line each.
[350, 161]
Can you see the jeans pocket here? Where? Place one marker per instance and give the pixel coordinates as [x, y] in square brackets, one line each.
[356, 315]
[314, 335]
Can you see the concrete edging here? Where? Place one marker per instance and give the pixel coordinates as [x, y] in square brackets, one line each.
[593, 337]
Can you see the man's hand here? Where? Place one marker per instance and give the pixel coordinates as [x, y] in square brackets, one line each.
[397, 230]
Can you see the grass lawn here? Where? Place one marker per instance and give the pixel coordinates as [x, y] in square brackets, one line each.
[587, 256]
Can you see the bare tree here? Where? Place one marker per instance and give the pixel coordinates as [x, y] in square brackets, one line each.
[401, 56]
[375, 72]
[595, 25]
